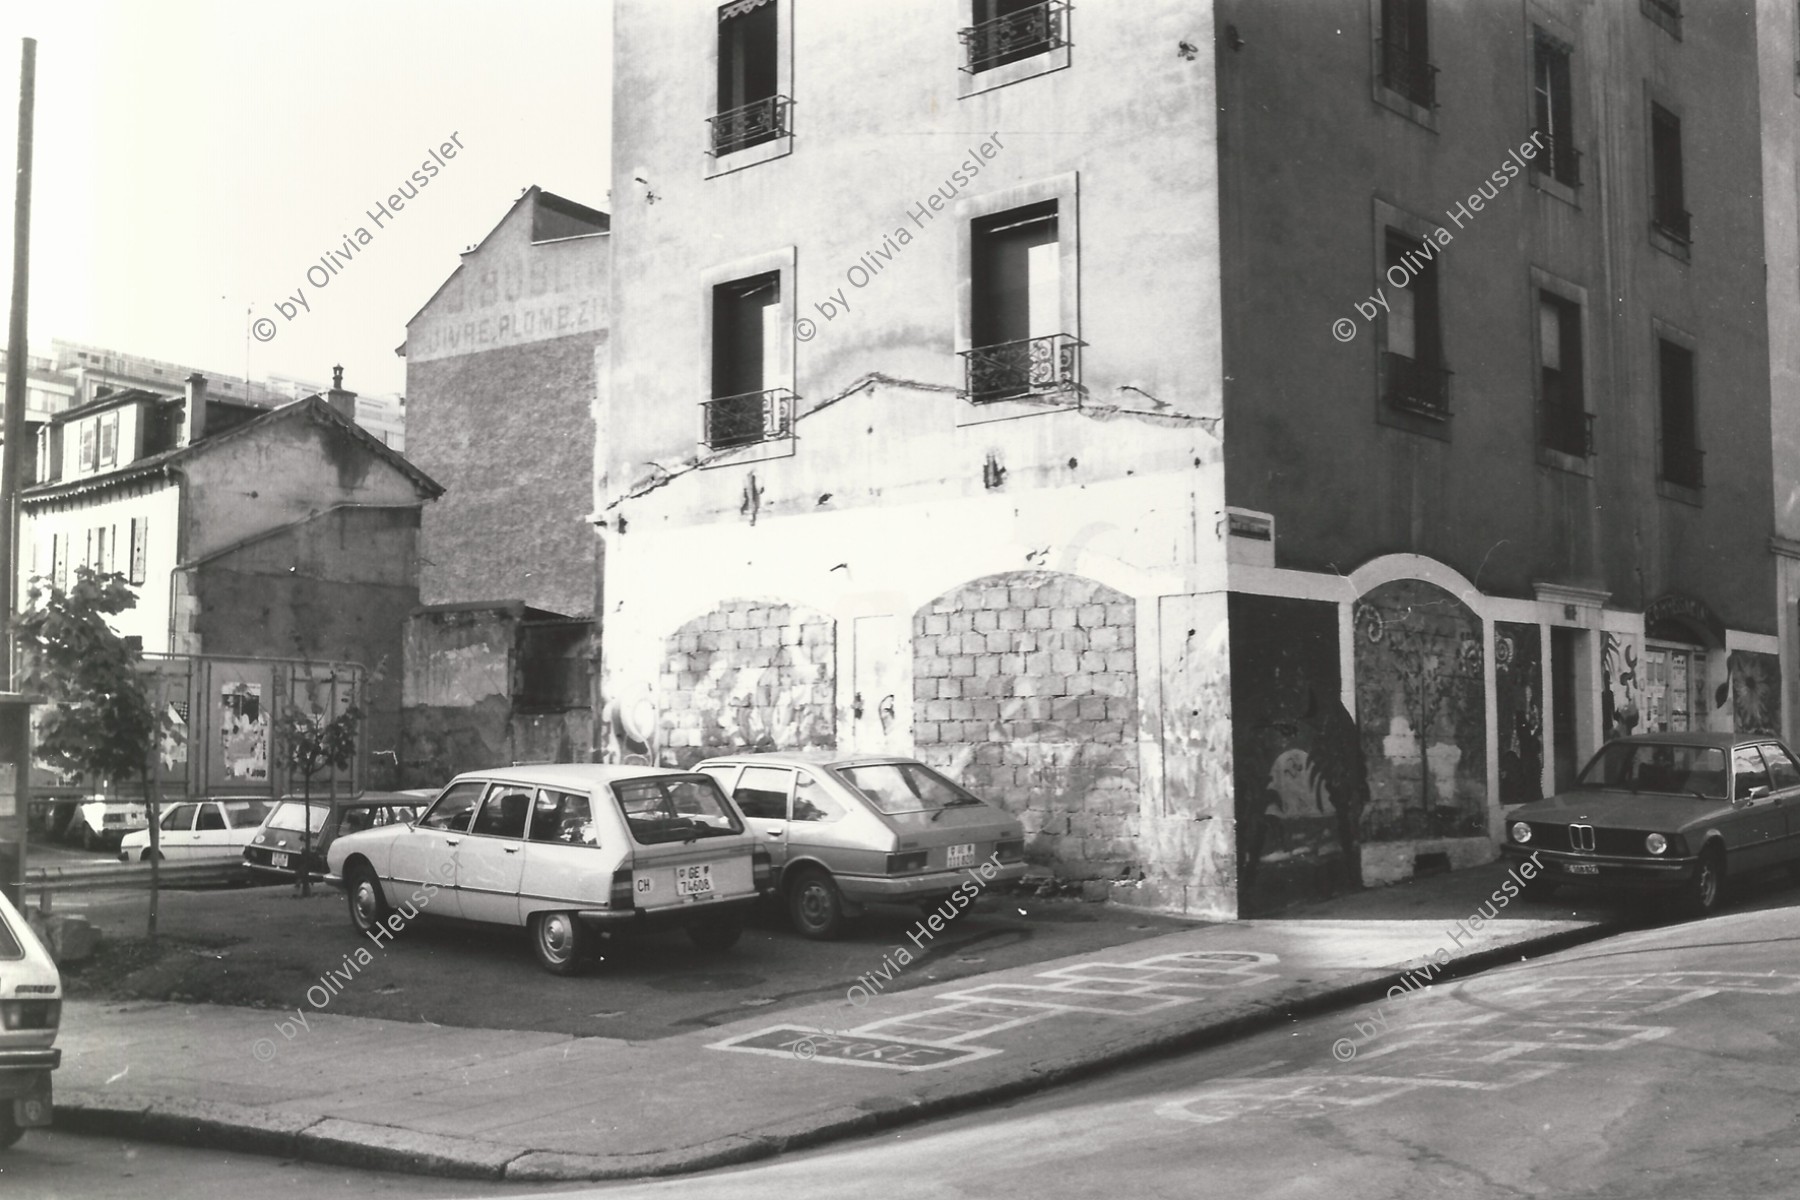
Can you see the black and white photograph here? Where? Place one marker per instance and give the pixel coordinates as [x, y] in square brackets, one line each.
[991, 599]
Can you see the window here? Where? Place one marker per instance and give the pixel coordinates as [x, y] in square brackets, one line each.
[1783, 774]
[746, 404]
[814, 803]
[1750, 777]
[139, 528]
[1406, 52]
[504, 814]
[1681, 453]
[675, 809]
[109, 439]
[1553, 111]
[210, 817]
[762, 792]
[89, 445]
[563, 817]
[751, 111]
[1667, 216]
[1018, 346]
[100, 549]
[1567, 426]
[451, 812]
[1010, 31]
[59, 550]
[1414, 378]
[180, 818]
[904, 787]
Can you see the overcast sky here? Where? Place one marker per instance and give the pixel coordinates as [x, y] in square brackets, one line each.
[193, 159]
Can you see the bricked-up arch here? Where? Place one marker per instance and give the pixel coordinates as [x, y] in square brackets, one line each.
[749, 675]
[1025, 686]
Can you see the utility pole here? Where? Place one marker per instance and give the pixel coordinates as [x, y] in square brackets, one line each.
[13, 429]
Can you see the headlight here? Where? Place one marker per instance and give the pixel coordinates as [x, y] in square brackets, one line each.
[1521, 832]
[1656, 843]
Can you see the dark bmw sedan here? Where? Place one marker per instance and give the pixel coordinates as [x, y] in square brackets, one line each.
[1672, 812]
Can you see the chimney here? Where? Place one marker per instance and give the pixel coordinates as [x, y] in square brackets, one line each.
[344, 402]
[193, 412]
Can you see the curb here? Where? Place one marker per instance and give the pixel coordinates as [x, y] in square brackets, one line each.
[338, 1142]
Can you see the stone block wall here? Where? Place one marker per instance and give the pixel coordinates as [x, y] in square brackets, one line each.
[1025, 689]
[749, 675]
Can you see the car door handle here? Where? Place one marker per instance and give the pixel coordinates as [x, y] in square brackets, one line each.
[510, 849]
[775, 830]
[452, 841]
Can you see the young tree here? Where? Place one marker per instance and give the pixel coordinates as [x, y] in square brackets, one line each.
[100, 724]
[307, 742]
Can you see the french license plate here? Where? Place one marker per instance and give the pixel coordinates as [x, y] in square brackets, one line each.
[279, 861]
[1582, 868]
[960, 856]
[695, 879]
[33, 1111]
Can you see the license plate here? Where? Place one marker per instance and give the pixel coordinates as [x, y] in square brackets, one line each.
[1582, 868]
[694, 879]
[960, 856]
[279, 861]
[33, 1111]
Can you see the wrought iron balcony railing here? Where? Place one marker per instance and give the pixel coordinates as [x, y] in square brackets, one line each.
[1569, 431]
[748, 418]
[1030, 367]
[1560, 159]
[1674, 222]
[1409, 74]
[1683, 464]
[750, 125]
[1017, 35]
[1416, 387]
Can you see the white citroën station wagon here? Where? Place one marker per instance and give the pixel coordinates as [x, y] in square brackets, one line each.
[566, 851]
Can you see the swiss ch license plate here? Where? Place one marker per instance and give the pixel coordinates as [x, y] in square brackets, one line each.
[1582, 868]
[960, 856]
[695, 879]
[280, 861]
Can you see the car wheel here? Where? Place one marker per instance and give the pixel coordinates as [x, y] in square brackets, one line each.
[558, 941]
[368, 907]
[10, 1130]
[717, 936]
[149, 854]
[815, 906]
[1702, 894]
[90, 841]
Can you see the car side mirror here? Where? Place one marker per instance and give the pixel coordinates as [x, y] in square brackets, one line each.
[1759, 791]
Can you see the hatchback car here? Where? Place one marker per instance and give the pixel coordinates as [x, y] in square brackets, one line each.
[199, 829]
[30, 1012]
[845, 832]
[99, 823]
[566, 851]
[275, 849]
[1672, 812]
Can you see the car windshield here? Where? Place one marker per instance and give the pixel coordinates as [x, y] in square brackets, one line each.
[287, 816]
[1660, 768]
[675, 808]
[9, 941]
[904, 787]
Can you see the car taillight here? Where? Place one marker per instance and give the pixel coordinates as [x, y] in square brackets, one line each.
[900, 864]
[762, 869]
[1009, 851]
[622, 889]
[30, 1014]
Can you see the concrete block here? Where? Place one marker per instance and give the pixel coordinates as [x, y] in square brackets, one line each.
[1091, 616]
[935, 623]
[962, 664]
[1037, 618]
[986, 620]
[1012, 618]
[1062, 618]
[1065, 662]
[1122, 614]
[1122, 661]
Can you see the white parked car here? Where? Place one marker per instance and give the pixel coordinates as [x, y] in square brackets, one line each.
[199, 829]
[564, 850]
[30, 1011]
[99, 823]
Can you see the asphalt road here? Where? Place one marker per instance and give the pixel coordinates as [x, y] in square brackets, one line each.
[264, 947]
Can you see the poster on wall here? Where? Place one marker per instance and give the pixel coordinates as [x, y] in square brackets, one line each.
[244, 731]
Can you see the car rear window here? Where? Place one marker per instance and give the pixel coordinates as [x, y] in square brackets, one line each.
[247, 812]
[904, 787]
[288, 816]
[9, 941]
[674, 808]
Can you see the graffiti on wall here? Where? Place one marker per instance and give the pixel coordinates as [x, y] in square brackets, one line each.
[1025, 688]
[1301, 780]
[1621, 685]
[749, 675]
[631, 730]
[1423, 712]
[244, 731]
[1518, 701]
[1755, 692]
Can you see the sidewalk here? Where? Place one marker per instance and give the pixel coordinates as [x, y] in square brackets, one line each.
[543, 1106]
